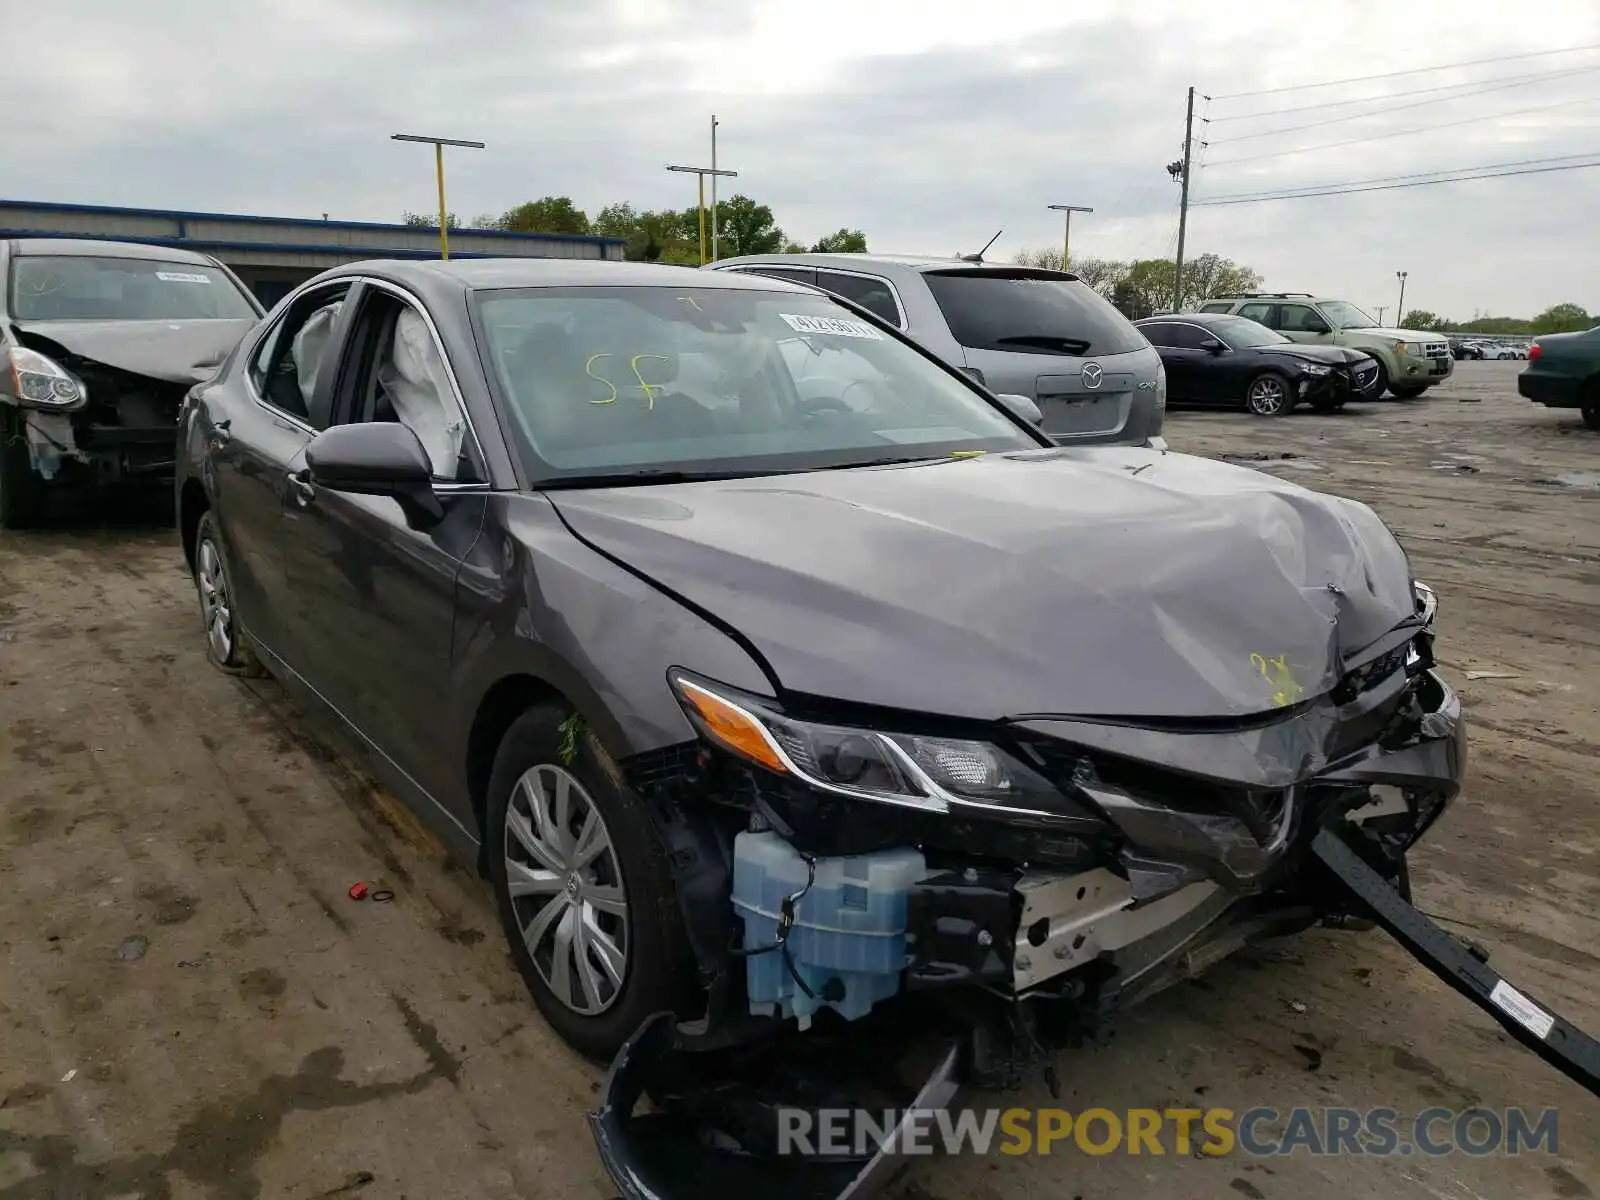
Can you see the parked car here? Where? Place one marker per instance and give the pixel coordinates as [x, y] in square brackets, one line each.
[1463, 348]
[1563, 371]
[1231, 362]
[1020, 330]
[98, 343]
[726, 685]
[1409, 361]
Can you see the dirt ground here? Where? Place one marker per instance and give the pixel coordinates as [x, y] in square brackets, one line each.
[192, 1009]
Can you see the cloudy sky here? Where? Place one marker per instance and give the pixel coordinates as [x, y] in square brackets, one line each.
[927, 124]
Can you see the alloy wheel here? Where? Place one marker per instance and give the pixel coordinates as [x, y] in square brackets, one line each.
[215, 604]
[565, 884]
[1267, 396]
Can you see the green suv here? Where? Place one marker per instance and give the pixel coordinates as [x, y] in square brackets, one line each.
[1409, 361]
[1564, 372]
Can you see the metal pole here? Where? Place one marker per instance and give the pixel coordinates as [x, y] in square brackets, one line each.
[714, 252]
[1400, 311]
[1066, 241]
[1183, 205]
[702, 177]
[444, 219]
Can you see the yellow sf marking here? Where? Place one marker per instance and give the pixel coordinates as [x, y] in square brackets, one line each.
[588, 369]
[649, 396]
[1277, 673]
[967, 453]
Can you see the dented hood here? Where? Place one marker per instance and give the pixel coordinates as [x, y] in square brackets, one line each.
[1109, 582]
[173, 351]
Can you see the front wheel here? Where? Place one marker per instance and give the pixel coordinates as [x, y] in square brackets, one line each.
[1407, 393]
[1591, 413]
[1380, 381]
[1269, 395]
[583, 887]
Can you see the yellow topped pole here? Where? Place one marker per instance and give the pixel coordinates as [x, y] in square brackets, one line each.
[702, 219]
[444, 219]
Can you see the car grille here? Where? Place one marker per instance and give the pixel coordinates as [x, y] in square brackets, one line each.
[1366, 375]
[1436, 349]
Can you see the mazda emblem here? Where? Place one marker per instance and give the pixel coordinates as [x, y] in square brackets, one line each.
[1093, 375]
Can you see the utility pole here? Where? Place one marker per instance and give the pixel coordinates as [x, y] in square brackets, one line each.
[1066, 235]
[1183, 203]
[702, 172]
[1381, 307]
[1400, 312]
[438, 167]
[713, 187]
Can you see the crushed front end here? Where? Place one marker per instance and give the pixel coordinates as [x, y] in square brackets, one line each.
[1039, 872]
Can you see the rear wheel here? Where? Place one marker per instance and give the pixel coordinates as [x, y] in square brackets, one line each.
[213, 581]
[1269, 395]
[582, 883]
[21, 489]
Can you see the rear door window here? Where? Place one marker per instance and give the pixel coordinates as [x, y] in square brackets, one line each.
[1029, 311]
[1159, 334]
[1220, 306]
[1189, 337]
[805, 275]
[872, 293]
[1260, 312]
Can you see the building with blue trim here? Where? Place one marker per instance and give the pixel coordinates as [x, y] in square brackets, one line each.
[274, 254]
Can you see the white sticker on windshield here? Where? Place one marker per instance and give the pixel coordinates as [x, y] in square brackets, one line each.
[181, 277]
[834, 325]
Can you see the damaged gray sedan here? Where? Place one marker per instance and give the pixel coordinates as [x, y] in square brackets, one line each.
[780, 677]
[99, 340]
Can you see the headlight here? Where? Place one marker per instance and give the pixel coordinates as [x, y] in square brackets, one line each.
[40, 383]
[1315, 369]
[1427, 603]
[936, 774]
[1399, 347]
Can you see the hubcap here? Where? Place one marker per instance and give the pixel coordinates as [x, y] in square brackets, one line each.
[1266, 396]
[214, 602]
[566, 889]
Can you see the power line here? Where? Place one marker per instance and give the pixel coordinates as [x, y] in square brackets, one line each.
[1378, 137]
[1476, 62]
[1396, 186]
[1288, 193]
[1500, 87]
[1443, 87]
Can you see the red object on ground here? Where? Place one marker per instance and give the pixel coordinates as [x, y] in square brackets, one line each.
[358, 891]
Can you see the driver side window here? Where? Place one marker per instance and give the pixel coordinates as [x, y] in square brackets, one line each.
[288, 363]
[399, 375]
[1301, 318]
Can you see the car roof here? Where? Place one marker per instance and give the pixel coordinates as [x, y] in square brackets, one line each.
[105, 248]
[905, 262]
[491, 274]
[1193, 318]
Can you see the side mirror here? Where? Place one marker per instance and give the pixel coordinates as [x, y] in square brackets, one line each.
[1212, 346]
[376, 458]
[1021, 406]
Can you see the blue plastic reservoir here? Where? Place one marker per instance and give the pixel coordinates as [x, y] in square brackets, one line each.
[850, 927]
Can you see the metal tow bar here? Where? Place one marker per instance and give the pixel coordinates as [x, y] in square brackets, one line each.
[1560, 1043]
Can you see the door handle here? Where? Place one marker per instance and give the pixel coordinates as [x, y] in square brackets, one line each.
[300, 488]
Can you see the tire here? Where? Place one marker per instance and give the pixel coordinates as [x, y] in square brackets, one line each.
[1269, 394]
[1329, 406]
[227, 649]
[1407, 393]
[1590, 411]
[597, 1009]
[21, 489]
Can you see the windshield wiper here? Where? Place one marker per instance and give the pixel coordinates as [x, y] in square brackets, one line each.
[1047, 341]
[640, 478]
[887, 462]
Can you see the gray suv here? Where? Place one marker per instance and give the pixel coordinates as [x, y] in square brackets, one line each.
[1041, 334]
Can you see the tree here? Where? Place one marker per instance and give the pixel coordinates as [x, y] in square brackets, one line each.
[745, 227]
[428, 220]
[1421, 318]
[1212, 275]
[550, 214]
[842, 241]
[1563, 318]
[1101, 274]
[1147, 287]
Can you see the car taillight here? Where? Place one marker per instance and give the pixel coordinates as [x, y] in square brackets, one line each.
[1534, 351]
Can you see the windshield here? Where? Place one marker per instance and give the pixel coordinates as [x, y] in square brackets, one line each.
[603, 380]
[1345, 315]
[52, 287]
[1244, 334]
[1031, 311]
